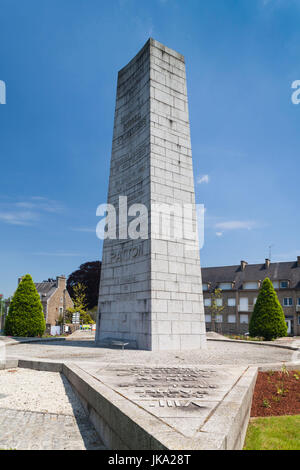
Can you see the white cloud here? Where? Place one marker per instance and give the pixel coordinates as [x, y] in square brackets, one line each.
[236, 225]
[41, 204]
[219, 234]
[58, 253]
[26, 212]
[280, 3]
[203, 179]
[18, 218]
[84, 229]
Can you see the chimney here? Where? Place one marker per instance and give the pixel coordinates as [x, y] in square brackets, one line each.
[298, 261]
[267, 263]
[61, 281]
[243, 265]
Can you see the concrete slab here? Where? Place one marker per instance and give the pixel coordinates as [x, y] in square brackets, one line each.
[205, 406]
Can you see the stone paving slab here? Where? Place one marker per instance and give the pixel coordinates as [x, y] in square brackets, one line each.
[217, 353]
[29, 430]
[39, 410]
[183, 397]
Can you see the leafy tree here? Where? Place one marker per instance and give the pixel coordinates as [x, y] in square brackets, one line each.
[88, 274]
[268, 318]
[215, 308]
[25, 315]
[79, 297]
[80, 305]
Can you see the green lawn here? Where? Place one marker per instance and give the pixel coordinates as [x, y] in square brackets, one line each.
[273, 433]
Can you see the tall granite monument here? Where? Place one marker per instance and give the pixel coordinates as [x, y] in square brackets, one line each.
[151, 289]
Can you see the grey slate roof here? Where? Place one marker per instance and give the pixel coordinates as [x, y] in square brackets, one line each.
[282, 271]
[45, 289]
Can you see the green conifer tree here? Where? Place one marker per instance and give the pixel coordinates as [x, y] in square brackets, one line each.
[25, 315]
[268, 318]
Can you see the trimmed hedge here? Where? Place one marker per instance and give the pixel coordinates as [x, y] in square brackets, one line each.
[25, 316]
[268, 318]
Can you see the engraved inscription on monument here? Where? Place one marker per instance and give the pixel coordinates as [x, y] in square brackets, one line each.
[172, 386]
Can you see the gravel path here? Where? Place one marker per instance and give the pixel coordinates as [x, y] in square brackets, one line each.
[217, 353]
[39, 410]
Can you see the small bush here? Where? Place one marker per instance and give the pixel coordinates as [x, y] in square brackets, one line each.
[268, 318]
[25, 316]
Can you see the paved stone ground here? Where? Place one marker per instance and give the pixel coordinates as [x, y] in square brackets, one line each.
[217, 353]
[39, 410]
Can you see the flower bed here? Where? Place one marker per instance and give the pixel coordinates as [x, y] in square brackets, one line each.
[276, 393]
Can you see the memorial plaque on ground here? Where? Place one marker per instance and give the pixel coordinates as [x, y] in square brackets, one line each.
[183, 397]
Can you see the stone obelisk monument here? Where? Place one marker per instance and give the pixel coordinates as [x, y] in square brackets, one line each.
[150, 289]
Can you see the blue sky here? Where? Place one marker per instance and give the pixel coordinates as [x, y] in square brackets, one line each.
[59, 60]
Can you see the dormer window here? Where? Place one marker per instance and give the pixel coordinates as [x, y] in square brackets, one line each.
[284, 284]
[225, 285]
[250, 285]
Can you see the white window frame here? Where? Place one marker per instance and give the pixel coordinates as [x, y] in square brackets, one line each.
[244, 315]
[225, 285]
[289, 304]
[253, 287]
[230, 318]
[240, 306]
[285, 287]
[234, 302]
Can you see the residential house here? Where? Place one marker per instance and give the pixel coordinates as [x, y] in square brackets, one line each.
[240, 286]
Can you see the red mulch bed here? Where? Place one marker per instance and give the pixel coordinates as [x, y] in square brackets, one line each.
[276, 393]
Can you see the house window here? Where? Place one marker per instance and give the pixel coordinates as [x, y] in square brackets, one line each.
[287, 301]
[243, 307]
[298, 319]
[205, 286]
[219, 318]
[231, 302]
[250, 285]
[298, 301]
[61, 310]
[219, 302]
[225, 285]
[208, 318]
[276, 284]
[254, 300]
[207, 302]
[244, 318]
[284, 284]
[231, 318]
